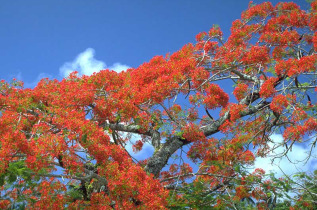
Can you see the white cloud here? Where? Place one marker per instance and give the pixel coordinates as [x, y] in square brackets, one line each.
[118, 67]
[293, 163]
[85, 63]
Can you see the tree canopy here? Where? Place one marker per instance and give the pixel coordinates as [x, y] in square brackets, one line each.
[208, 110]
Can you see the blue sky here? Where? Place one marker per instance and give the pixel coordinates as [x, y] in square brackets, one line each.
[49, 38]
[38, 37]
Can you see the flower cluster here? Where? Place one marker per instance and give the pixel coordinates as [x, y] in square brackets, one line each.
[215, 97]
[261, 10]
[215, 31]
[314, 40]
[279, 103]
[257, 54]
[235, 110]
[240, 91]
[137, 146]
[192, 133]
[268, 88]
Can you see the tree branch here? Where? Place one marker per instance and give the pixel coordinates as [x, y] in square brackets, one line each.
[160, 158]
[126, 128]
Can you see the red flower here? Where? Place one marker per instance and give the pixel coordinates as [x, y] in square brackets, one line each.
[267, 89]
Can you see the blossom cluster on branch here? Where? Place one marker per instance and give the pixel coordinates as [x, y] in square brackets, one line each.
[63, 143]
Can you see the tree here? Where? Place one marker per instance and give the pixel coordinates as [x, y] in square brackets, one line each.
[63, 142]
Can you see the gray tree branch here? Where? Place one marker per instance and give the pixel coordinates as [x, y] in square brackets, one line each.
[159, 159]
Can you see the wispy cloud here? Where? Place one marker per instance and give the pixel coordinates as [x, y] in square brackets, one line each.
[118, 67]
[86, 64]
[292, 163]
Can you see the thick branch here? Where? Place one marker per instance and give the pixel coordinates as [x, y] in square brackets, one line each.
[160, 158]
[126, 128]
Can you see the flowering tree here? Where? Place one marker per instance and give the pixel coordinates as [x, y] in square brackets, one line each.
[63, 143]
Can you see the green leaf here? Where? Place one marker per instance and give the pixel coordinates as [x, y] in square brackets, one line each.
[237, 168]
[2, 180]
[84, 138]
[12, 178]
